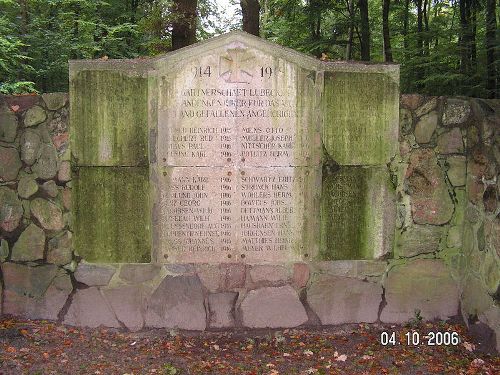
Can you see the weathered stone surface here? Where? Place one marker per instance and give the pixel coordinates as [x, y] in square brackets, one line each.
[210, 276]
[34, 116]
[419, 239]
[411, 101]
[300, 275]
[221, 309]
[269, 273]
[122, 197]
[405, 121]
[490, 200]
[474, 297]
[47, 213]
[360, 269]
[11, 209]
[59, 249]
[450, 142]
[90, 309]
[454, 238]
[346, 95]
[26, 187]
[30, 146]
[8, 125]
[30, 245]
[64, 174]
[50, 188]
[55, 100]
[128, 304]
[139, 273]
[44, 306]
[4, 250]
[29, 281]
[456, 112]
[338, 300]
[46, 165]
[272, 307]
[430, 200]
[491, 317]
[177, 303]
[429, 105]
[425, 127]
[479, 167]
[424, 285]
[358, 213]
[94, 274]
[9, 163]
[66, 198]
[456, 170]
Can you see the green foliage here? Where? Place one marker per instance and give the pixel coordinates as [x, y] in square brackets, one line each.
[17, 88]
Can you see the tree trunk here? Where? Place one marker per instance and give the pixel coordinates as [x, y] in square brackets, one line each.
[425, 38]
[385, 27]
[365, 30]
[350, 10]
[464, 39]
[405, 25]
[420, 40]
[250, 9]
[491, 45]
[184, 23]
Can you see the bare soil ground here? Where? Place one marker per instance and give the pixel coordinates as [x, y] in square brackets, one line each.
[42, 347]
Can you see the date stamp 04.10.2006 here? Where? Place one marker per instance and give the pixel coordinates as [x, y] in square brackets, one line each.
[415, 338]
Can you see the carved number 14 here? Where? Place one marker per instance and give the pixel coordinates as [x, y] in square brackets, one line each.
[201, 71]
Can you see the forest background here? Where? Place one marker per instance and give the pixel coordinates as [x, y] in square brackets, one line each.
[445, 47]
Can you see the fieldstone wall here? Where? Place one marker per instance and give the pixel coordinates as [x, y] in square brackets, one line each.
[445, 255]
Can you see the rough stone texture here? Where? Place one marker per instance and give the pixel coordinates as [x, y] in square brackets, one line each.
[11, 209]
[90, 309]
[9, 163]
[221, 309]
[30, 146]
[210, 276]
[269, 273]
[177, 303]
[55, 101]
[428, 105]
[30, 245]
[429, 196]
[128, 304]
[139, 273]
[405, 121]
[338, 300]
[360, 269]
[272, 307]
[27, 186]
[122, 197]
[456, 170]
[38, 303]
[64, 174]
[454, 238]
[34, 116]
[233, 275]
[346, 113]
[450, 142]
[411, 101]
[419, 239]
[424, 285]
[47, 164]
[456, 112]
[4, 250]
[50, 188]
[47, 213]
[94, 274]
[425, 127]
[66, 198]
[8, 124]
[300, 275]
[59, 249]
[491, 317]
[478, 169]
[474, 297]
[357, 213]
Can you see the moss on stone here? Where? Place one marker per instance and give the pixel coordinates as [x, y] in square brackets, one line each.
[361, 117]
[111, 213]
[109, 115]
[357, 214]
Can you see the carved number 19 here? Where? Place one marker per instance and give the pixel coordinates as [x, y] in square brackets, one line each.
[201, 71]
[266, 71]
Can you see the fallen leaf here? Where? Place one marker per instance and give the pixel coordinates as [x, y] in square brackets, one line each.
[341, 358]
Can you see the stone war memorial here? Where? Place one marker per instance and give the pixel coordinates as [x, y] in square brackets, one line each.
[237, 183]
